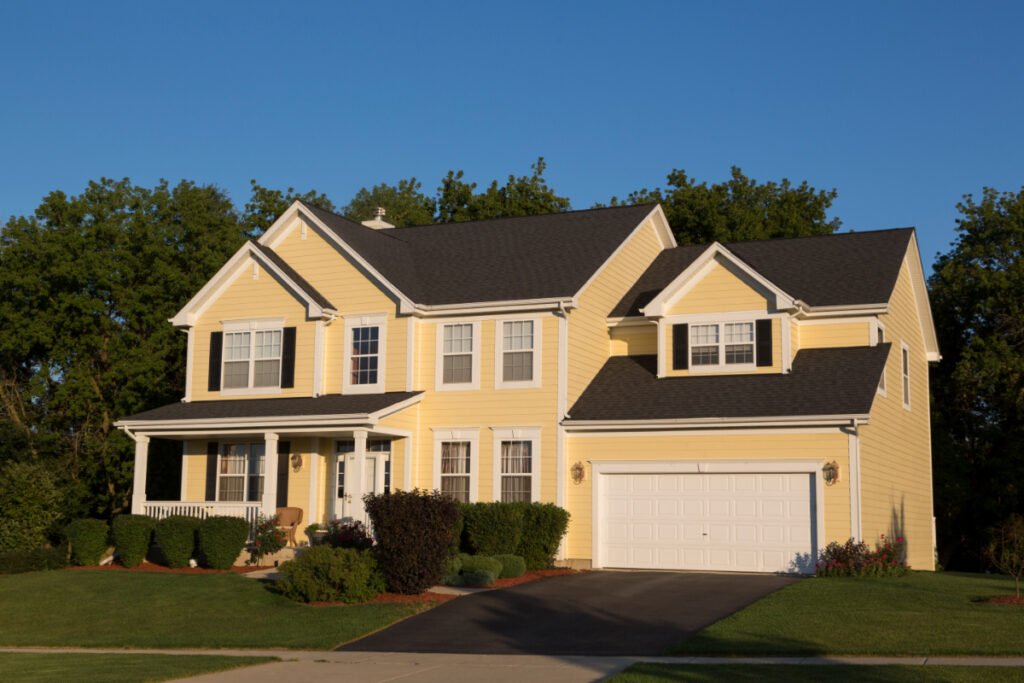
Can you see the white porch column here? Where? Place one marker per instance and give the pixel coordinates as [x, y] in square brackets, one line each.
[332, 483]
[139, 478]
[270, 474]
[357, 479]
[314, 474]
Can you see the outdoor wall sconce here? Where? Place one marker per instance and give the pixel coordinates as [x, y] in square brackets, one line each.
[578, 473]
[296, 462]
[830, 472]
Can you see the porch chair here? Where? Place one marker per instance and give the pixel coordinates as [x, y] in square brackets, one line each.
[289, 519]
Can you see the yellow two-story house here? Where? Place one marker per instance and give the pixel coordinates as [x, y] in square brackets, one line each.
[720, 407]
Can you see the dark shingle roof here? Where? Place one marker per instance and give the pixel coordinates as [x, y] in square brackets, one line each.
[309, 289]
[823, 382]
[359, 404]
[500, 259]
[828, 270]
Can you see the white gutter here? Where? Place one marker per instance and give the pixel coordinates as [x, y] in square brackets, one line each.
[815, 421]
[428, 311]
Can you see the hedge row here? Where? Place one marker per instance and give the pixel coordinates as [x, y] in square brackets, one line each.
[531, 530]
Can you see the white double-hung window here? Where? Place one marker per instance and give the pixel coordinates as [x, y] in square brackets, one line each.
[517, 464]
[363, 370]
[240, 472]
[252, 355]
[458, 356]
[517, 354]
[456, 463]
[716, 344]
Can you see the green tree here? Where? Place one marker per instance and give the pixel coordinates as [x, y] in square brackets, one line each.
[529, 195]
[265, 205]
[739, 208]
[405, 204]
[977, 293]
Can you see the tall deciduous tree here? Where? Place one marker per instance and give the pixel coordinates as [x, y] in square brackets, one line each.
[405, 204]
[739, 208]
[265, 205]
[977, 292]
[529, 195]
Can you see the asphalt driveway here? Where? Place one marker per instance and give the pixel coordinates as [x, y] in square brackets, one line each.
[593, 613]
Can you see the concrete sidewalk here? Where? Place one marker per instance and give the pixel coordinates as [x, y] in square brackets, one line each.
[314, 666]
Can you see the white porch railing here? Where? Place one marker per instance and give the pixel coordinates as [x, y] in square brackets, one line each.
[203, 509]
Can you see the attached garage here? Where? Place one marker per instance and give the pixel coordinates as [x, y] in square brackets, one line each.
[722, 516]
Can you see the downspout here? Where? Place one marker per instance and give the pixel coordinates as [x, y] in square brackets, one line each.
[856, 525]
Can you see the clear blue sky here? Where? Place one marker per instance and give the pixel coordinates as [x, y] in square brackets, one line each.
[903, 107]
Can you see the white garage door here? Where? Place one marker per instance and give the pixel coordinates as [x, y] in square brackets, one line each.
[715, 522]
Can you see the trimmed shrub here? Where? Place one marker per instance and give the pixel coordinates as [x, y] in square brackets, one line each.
[492, 528]
[176, 536]
[452, 567]
[132, 535]
[30, 505]
[88, 541]
[477, 578]
[854, 558]
[221, 540]
[472, 563]
[512, 566]
[544, 526]
[37, 559]
[348, 535]
[414, 534]
[330, 574]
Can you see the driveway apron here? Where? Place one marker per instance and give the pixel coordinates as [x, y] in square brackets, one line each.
[593, 613]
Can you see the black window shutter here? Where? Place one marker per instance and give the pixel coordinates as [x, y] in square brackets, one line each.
[283, 451]
[216, 346]
[288, 358]
[212, 448]
[680, 346]
[763, 332]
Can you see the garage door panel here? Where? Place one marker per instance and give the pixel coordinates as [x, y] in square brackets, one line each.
[721, 521]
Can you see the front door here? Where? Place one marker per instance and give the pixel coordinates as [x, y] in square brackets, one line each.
[347, 504]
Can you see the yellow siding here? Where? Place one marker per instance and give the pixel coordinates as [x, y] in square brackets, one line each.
[775, 367]
[818, 335]
[720, 291]
[634, 341]
[195, 470]
[588, 324]
[247, 299]
[819, 447]
[895, 448]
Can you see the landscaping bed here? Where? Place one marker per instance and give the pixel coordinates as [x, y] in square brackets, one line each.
[161, 569]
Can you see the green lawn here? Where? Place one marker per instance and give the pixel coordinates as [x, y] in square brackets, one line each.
[112, 668]
[139, 609]
[783, 673]
[923, 613]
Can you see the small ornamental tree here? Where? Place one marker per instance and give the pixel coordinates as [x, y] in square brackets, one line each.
[1006, 549]
[414, 532]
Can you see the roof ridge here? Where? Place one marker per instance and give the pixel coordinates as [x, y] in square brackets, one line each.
[848, 233]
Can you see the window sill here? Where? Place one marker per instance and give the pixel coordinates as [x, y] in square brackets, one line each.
[251, 391]
[363, 389]
[532, 384]
[461, 386]
[746, 368]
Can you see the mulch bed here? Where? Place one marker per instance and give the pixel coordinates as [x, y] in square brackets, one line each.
[1004, 600]
[160, 569]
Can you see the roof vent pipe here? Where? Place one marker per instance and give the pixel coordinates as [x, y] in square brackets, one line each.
[378, 222]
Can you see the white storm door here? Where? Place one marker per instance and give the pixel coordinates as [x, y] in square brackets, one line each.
[373, 481]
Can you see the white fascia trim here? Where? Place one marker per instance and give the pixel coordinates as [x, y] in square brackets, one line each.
[645, 425]
[473, 385]
[806, 312]
[470, 434]
[725, 431]
[921, 299]
[186, 317]
[190, 350]
[660, 226]
[511, 306]
[499, 350]
[395, 407]
[531, 434]
[700, 267]
[628, 321]
[276, 232]
[261, 423]
[410, 353]
[704, 466]
[856, 525]
[380, 321]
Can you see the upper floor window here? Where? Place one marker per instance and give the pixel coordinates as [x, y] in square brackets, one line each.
[254, 355]
[458, 356]
[905, 357]
[517, 356]
[722, 343]
[364, 354]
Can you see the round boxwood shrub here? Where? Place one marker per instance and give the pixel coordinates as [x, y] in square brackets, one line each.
[132, 535]
[88, 541]
[471, 563]
[176, 536]
[476, 578]
[221, 540]
[323, 573]
[452, 567]
[512, 566]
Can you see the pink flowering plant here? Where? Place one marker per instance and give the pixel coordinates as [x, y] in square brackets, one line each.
[348, 535]
[268, 539]
[855, 558]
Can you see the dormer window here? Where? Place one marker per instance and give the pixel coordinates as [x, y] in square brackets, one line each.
[727, 345]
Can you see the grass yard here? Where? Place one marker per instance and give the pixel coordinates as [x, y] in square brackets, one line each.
[783, 673]
[129, 609]
[110, 668]
[923, 613]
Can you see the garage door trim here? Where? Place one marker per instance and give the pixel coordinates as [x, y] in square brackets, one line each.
[604, 467]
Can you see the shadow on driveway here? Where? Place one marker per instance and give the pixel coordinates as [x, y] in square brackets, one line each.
[594, 613]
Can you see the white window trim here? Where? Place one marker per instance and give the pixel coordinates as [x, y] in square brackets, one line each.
[721, 366]
[531, 434]
[876, 327]
[499, 354]
[251, 326]
[905, 374]
[380, 321]
[470, 434]
[221, 452]
[439, 384]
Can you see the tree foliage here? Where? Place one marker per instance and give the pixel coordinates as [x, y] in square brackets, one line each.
[530, 195]
[405, 204]
[739, 208]
[266, 204]
[977, 293]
